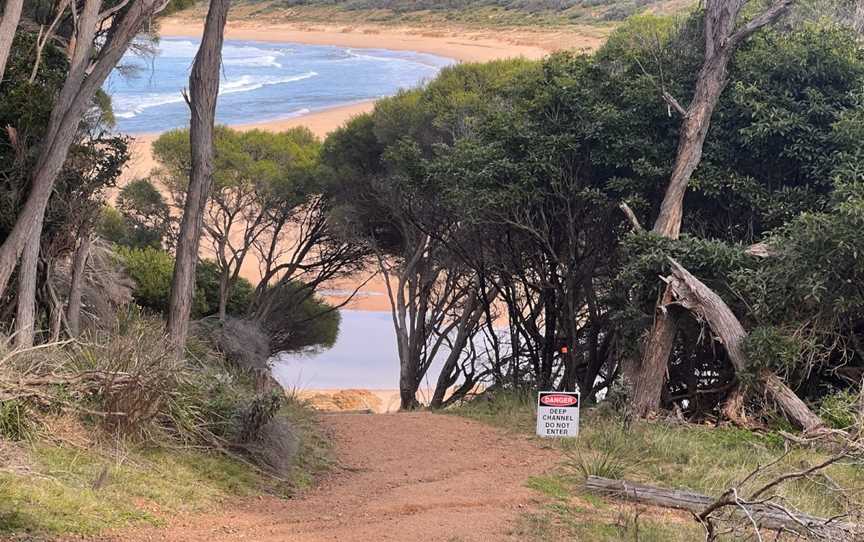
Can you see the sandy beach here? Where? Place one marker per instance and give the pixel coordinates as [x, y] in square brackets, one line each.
[320, 122]
[472, 47]
[464, 46]
[457, 43]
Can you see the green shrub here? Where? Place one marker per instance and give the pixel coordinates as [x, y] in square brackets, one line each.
[207, 284]
[769, 347]
[152, 270]
[295, 318]
[840, 410]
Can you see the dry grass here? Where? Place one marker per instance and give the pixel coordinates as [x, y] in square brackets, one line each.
[114, 431]
[704, 459]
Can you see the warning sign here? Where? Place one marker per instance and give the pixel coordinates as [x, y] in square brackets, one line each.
[557, 414]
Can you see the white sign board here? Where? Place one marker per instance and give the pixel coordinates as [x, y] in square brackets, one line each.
[557, 414]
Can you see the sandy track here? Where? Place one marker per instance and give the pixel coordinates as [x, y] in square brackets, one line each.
[406, 477]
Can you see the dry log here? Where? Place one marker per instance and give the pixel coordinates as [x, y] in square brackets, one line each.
[692, 294]
[764, 514]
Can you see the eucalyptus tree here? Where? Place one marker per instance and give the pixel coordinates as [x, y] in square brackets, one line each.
[92, 163]
[203, 93]
[102, 32]
[723, 34]
[386, 163]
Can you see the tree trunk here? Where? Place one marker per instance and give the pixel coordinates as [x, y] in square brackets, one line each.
[8, 25]
[733, 407]
[203, 92]
[56, 306]
[651, 376]
[858, 17]
[224, 292]
[791, 405]
[469, 319]
[79, 265]
[86, 75]
[25, 320]
[721, 41]
[408, 385]
[765, 516]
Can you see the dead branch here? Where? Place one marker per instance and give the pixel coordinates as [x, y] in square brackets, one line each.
[673, 103]
[631, 216]
[764, 514]
[693, 295]
[761, 250]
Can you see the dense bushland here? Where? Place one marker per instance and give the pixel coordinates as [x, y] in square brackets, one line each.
[492, 197]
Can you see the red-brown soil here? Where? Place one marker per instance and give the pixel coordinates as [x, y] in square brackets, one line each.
[406, 477]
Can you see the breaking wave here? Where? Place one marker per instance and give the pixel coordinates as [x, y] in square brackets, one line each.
[128, 107]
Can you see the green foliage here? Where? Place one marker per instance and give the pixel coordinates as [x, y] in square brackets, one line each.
[840, 410]
[95, 159]
[648, 255]
[518, 169]
[16, 420]
[770, 348]
[809, 291]
[296, 319]
[152, 270]
[264, 184]
[261, 411]
[485, 13]
[111, 226]
[274, 164]
[207, 291]
[146, 213]
[142, 218]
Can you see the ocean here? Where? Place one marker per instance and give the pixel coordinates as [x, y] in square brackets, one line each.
[261, 81]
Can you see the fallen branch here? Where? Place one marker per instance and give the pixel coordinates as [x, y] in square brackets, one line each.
[765, 514]
[692, 294]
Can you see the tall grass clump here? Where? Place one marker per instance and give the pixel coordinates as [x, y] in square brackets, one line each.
[16, 422]
[128, 384]
[115, 418]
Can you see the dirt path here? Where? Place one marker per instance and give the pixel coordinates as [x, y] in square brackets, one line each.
[406, 477]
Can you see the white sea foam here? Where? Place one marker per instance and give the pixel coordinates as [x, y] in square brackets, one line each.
[268, 61]
[127, 107]
[188, 49]
[155, 102]
[248, 83]
[352, 54]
